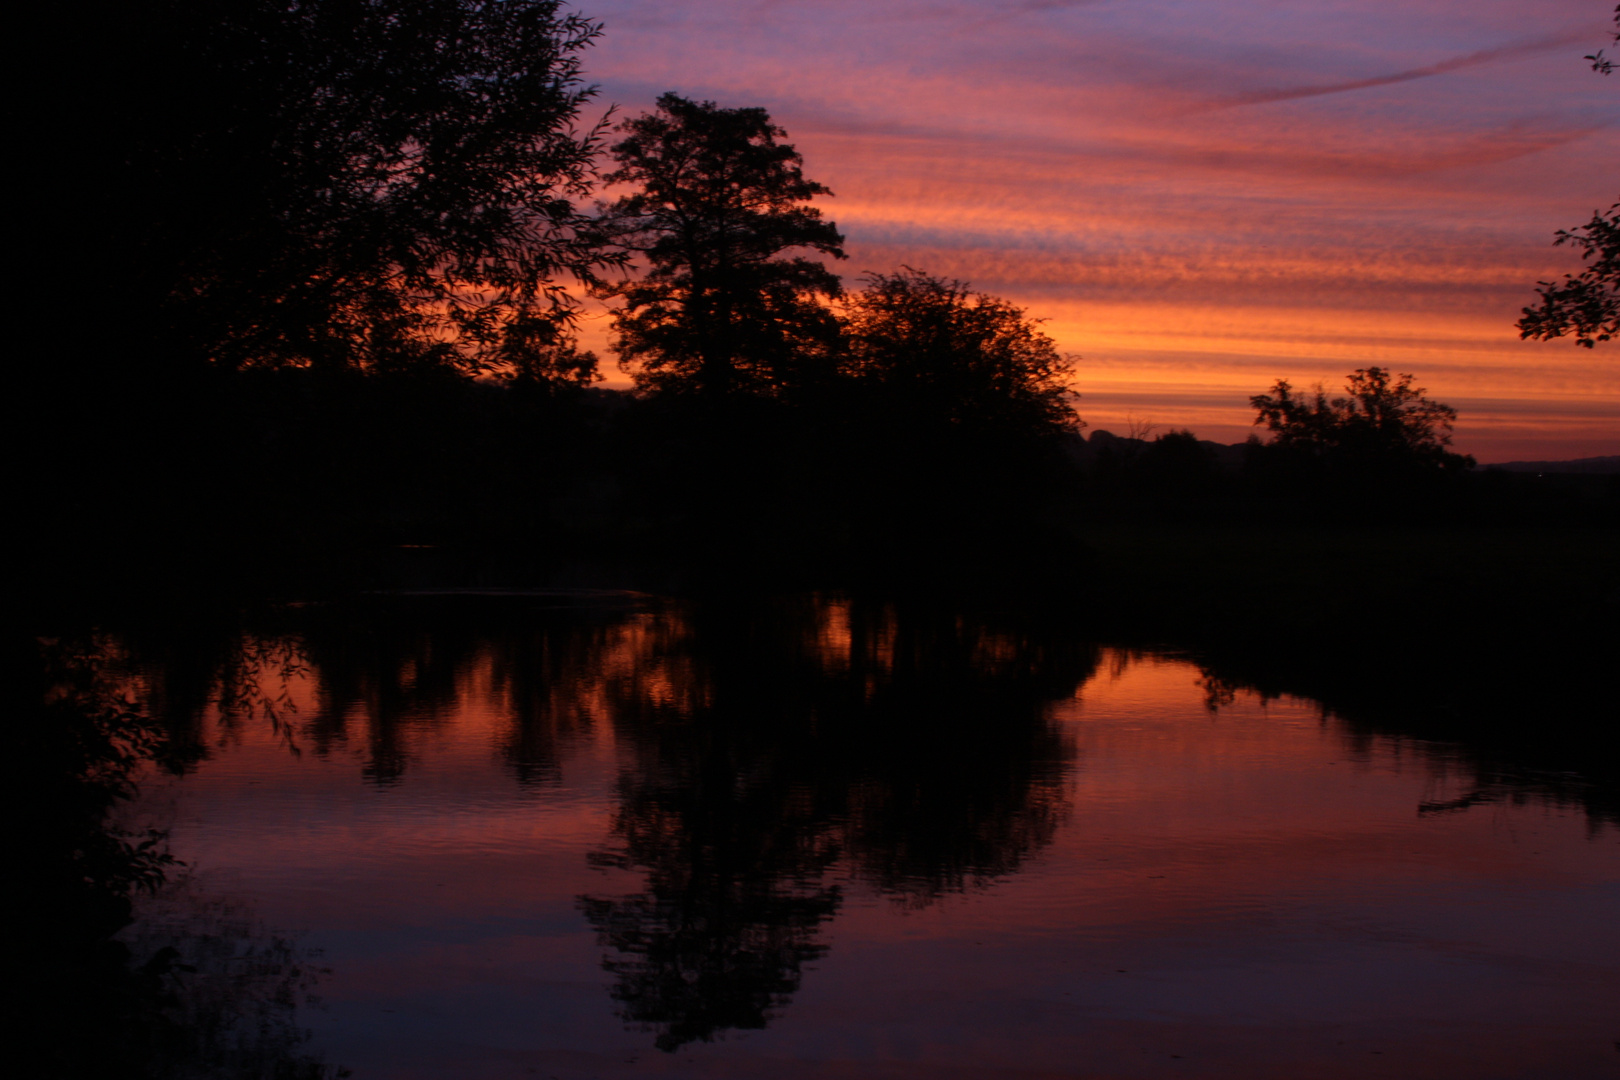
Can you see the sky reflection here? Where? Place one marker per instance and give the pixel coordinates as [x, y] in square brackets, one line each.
[846, 839]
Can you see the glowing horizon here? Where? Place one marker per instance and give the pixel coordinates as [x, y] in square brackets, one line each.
[1199, 198]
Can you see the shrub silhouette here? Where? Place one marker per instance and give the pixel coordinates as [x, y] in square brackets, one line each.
[1383, 422]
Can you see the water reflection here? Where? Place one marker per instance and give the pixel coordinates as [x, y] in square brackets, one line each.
[764, 745]
[225, 990]
[135, 971]
[770, 762]
[1522, 748]
[388, 673]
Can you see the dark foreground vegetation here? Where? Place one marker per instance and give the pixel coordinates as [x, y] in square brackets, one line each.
[295, 479]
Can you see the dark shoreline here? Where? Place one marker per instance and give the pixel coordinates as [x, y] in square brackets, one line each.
[1500, 641]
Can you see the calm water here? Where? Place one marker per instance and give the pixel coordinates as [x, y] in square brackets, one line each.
[532, 836]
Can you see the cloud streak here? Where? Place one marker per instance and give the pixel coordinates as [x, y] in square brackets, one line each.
[1456, 63]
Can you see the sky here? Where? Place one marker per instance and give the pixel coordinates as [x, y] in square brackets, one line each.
[1199, 198]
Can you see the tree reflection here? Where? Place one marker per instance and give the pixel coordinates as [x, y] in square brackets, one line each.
[772, 755]
[721, 804]
[379, 675]
[227, 989]
[190, 986]
[728, 917]
[960, 773]
[769, 751]
[1497, 725]
[767, 743]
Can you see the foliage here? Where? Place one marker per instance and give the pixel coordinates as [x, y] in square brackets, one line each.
[193, 987]
[1383, 421]
[932, 347]
[716, 201]
[536, 351]
[367, 184]
[1600, 63]
[1585, 305]
[87, 741]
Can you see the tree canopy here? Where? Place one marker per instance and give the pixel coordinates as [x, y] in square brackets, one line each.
[1382, 421]
[930, 346]
[716, 201]
[1601, 63]
[1585, 305]
[372, 184]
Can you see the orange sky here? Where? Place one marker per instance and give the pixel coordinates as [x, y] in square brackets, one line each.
[1200, 197]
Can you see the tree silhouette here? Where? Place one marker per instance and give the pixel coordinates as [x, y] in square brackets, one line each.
[765, 744]
[931, 347]
[717, 201]
[340, 184]
[1586, 305]
[1600, 63]
[1384, 421]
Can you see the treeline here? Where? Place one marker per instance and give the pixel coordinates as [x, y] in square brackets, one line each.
[280, 475]
[339, 251]
[274, 471]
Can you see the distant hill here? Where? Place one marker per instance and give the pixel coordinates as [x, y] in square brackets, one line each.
[1591, 466]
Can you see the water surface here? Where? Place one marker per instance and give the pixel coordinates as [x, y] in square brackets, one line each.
[604, 836]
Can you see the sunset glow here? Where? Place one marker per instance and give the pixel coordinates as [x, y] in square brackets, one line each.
[1200, 198]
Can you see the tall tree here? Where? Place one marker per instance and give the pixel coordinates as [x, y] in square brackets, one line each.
[366, 184]
[716, 202]
[1584, 305]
